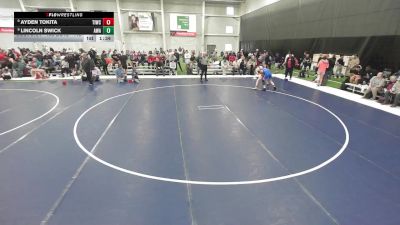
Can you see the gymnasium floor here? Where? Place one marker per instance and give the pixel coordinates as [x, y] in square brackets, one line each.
[177, 152]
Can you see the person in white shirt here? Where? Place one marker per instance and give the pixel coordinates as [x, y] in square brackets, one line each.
[187, 57]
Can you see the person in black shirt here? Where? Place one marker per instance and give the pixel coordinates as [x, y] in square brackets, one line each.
[93, 55]
[123, 58]
[104, 62]
[115, 57]
[339, 67]
[87, 66]
[368, 73]
[329, 70]
[305, 64]
[177, 56]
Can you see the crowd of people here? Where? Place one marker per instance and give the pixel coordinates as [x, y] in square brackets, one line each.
[383, 86]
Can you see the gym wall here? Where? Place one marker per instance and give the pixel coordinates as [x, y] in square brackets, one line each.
[369, 28]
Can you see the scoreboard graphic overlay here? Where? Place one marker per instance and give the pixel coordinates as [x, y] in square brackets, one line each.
[63, 26]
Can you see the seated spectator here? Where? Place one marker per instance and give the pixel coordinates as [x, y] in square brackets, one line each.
[368, 74]
[375, 85]
[159, 64]
[6, 75]
[224, 66]
[64, 68]
[96, 72]
[21, 67]
[389, 95]
[396, 91]
[355, 74]
[120, 74]
[76, 71]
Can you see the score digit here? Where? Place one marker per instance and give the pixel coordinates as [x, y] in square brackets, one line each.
[108, 21]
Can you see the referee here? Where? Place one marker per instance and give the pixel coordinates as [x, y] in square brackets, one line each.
[204, 63]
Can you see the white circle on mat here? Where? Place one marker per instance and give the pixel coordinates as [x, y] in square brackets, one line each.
[37, 118]
[213, 183]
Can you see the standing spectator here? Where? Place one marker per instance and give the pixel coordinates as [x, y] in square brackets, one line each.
[204, 65]
[177, 60]
[123, 58]
[339, 67]
[375, 85]
[289, 65]
[87, 66]
[93, 55]
[323, 65]
[187, 57]
[305, 65]
[115, 57]
[104, 63]
[329, 71]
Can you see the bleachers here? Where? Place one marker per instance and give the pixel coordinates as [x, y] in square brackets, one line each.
[141, 69]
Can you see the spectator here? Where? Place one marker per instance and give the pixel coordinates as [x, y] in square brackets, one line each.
[177, 60]
[329, 70]
[21, 67]
[87, 66]
[103, 62]
[204, 65]
[6, 75]
[355, 74]
[389, 94]
[64, 68]
[396, 90]
[123, 58]
[187, 57]
[376, 85]
[159, 65]
[369, 73]
[251, 64]
[305, 65]
[120, 73]
[96, 72]
[289, 65]
[323, 65]
[224, 66]
[354, 61]
[242, 65]
[339, 67]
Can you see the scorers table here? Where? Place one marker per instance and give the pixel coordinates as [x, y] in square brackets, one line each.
[63, 26]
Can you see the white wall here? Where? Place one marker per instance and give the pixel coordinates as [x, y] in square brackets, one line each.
[252, 5]
[214, 25]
